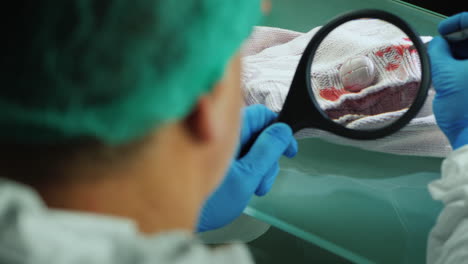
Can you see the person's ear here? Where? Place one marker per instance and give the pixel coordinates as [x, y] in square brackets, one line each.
[201, 124]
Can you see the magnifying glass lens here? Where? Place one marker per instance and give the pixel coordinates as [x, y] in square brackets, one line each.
[365, 74]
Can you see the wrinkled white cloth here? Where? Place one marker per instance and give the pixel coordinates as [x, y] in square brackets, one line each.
[270, 58]
[31, 233]
[448, 240]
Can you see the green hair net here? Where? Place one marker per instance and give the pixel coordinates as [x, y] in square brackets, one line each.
[112, 69]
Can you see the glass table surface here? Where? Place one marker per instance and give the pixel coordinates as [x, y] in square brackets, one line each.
[364, 206]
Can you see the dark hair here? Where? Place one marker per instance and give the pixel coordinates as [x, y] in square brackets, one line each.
[29, 29]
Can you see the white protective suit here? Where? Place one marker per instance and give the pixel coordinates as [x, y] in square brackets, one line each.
[448, 240]
[31, 233]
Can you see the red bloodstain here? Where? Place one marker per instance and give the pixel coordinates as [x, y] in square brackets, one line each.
[407, 39]
[332, 94]
[381, 53]
[399, 49]
[392, 66]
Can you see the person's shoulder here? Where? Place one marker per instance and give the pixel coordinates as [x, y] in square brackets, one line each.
[33, 233]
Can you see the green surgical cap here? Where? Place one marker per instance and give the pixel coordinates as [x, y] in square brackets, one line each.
[112, 70]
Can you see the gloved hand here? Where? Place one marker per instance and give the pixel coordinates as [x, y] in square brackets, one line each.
[450, 80]
[453, 24]
[255, 172]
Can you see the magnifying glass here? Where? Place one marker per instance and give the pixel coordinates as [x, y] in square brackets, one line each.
[374, 84]
[373, 88]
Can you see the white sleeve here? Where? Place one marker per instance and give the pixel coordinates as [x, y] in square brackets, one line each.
[31, 233]
[448, 240]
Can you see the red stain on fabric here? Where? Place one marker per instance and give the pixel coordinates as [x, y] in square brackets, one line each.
[368, 105]
[332, 94]
[381, 53]
[400, 49]
[392, 66]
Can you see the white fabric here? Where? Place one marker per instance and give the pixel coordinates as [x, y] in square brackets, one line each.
[357, 73]
[30, 233]
[270, 58]
[448, 240]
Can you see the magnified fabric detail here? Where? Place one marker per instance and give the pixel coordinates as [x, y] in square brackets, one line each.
[365, 74]
[357, 73]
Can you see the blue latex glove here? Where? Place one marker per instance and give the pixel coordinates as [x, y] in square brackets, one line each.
[450, 79]
[454, 24]
[255, 172]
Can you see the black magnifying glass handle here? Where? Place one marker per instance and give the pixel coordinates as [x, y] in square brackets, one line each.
[457, 36]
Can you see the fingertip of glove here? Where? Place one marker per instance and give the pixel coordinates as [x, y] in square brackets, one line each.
[295, 147]
[260, 192]
[267, 183]
[284, 133]
[281, 130]
[453, 23]
[260, 113]
[292, 149]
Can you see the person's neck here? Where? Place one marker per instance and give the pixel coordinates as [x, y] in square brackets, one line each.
[154, 191]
